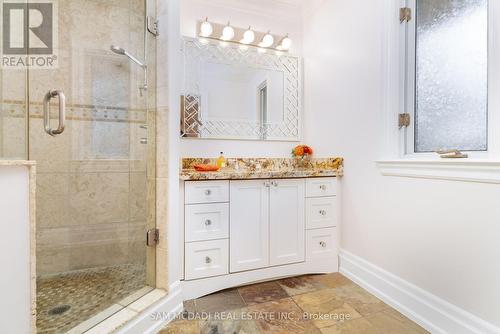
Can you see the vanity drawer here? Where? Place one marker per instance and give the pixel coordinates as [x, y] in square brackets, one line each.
[321, 187]
[207, 221]
[321, 212]
[206, 192]
[321, 244]
[207, 259]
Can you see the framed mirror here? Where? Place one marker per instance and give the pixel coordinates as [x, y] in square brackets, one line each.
[230, 92]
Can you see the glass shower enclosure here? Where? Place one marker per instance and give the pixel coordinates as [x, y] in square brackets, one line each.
[87, 118]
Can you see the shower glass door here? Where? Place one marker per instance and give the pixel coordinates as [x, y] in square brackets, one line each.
[96, 172]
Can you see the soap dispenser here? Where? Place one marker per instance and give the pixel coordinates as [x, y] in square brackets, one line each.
[221, 162]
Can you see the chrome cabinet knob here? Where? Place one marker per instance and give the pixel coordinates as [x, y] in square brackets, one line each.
[267, 184]
[322, 212]
[274, 183]
[322, 187]
[322, 244]
[208, 222]
[208, 192]
[208, 260]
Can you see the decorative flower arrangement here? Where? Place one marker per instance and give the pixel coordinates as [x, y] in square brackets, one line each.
[303, 155]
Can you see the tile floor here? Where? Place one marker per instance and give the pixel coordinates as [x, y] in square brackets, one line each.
[87, 292]
[328, 304]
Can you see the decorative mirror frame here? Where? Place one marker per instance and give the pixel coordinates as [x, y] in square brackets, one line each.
[193, 125]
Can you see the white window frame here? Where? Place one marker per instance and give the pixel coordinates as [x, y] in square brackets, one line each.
[407, 84]
[399, 157]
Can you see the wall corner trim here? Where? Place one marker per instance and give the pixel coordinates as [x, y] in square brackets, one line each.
[480, 171]
[431, 312]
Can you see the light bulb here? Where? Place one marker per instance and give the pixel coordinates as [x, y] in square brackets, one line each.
[267, 40]
[285, 44]
[248, 36]
[206, 29]
[227, 33]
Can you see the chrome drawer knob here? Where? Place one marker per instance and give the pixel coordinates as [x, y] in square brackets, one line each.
[208, 260]
[322, 187]
[322, 212]
[208, 192]
[208, 222]
[322, 244]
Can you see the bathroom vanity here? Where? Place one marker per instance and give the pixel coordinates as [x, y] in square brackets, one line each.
[247, 225]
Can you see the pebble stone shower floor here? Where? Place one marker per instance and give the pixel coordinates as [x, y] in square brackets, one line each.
[86, 293]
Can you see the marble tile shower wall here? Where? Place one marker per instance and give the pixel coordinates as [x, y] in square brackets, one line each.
[93, 182]
[90, 212]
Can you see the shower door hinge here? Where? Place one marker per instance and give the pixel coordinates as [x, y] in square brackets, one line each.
[153, 237]
[153, 26]
[405, 14]
[404, 120]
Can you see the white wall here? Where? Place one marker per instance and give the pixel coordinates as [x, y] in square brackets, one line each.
[15, 277]
[442, 236]
[281, 17]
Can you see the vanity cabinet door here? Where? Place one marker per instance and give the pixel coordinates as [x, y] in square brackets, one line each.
[249, 225]
[287, 222]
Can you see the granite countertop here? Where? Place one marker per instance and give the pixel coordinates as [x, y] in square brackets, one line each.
[263, 168]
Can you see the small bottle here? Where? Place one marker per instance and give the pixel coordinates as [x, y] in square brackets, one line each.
[221, 162]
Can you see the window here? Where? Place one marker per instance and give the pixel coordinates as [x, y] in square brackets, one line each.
[446, 78]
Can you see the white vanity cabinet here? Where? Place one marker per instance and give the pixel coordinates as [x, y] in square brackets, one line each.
[241, 231]
[267, 223]
[287, 222]
[249, 236]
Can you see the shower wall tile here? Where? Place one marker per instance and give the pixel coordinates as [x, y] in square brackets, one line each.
[151, 202]
[52, 200]
[97, 187]
[138, 196]
[100, 166]
[88, 235]
[60, 260]
[161, 210]
[12, 92]
[13, 133]
[162, 268]
[137, 242]
[42, 80]
[99, 197]
[106, 254]
[78, 247]
[51, 154]
[151, 151]
[51, 261]
[162, 131]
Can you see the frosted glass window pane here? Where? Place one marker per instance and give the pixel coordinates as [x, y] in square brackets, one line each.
[451, 75]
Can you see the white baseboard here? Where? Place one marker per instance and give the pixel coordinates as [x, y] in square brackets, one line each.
[155, 317]
[431, 312]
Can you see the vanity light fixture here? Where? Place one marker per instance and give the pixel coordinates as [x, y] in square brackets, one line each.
[267, 41]
[227, 33]
[285, 44]
[248, 36]
[206, 29]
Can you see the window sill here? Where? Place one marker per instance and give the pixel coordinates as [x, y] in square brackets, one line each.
[465, 170]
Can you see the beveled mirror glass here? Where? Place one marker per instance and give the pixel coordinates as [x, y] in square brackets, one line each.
[232, 92]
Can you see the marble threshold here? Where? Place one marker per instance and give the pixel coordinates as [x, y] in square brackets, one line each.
[17, 163]
[263, 168]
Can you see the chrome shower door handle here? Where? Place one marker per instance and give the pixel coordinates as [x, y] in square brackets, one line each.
[62, 112]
